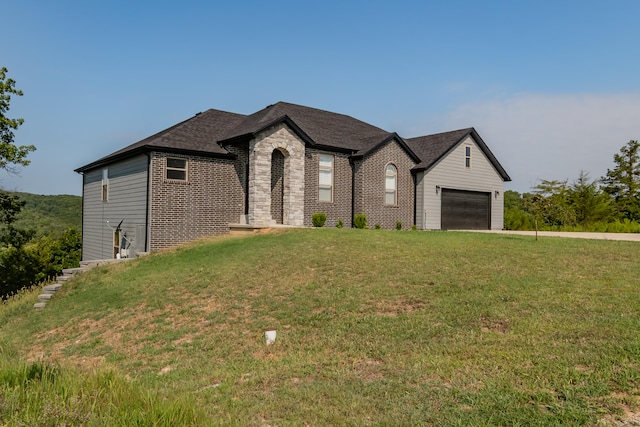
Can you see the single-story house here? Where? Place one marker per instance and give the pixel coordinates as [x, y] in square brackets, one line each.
[279, 166]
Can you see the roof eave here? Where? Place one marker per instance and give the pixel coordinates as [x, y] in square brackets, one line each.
[149, 148]
[393, 135]
[285, 119]
[494, 161]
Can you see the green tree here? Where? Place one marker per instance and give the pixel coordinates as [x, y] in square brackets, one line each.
[589, 203]
[623, 181]
[10, 206]
[516, 216]
[10, 153]
[17, 267]
[551, 204]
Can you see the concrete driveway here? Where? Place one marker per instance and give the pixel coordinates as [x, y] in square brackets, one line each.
[631, 237]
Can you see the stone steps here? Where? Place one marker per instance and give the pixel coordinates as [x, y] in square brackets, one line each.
[49, 290]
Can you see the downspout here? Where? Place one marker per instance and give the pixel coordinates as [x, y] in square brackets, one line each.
[147, 236]
[353, 187]
[415, 198]
[82, 225]
[246, 189]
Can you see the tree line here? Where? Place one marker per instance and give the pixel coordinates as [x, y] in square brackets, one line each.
[25, 258]
[608, 204]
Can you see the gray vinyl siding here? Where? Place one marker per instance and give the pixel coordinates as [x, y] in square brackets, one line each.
[127, 202]
[451, 173]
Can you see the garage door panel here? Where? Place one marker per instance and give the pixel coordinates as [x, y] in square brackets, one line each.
[465, 210]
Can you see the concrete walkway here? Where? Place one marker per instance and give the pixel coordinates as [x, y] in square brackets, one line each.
[630, 237]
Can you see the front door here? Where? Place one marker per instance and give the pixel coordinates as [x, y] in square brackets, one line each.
[277, 186]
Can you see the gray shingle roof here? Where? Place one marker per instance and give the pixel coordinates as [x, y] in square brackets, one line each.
[317, 127]
[431, 148]
[207, 132]
[200, 134]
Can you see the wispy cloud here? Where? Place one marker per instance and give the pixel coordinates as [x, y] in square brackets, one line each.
[551, 136]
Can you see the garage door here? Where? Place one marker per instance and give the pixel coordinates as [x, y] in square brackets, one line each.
[465, 210]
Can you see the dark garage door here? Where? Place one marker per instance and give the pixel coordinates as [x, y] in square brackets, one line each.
[465, 210]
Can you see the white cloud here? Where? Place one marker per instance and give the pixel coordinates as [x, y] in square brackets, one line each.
[552, 136]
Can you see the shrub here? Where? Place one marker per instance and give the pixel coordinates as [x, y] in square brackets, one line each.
[318, 219]
[377, 226]
[339, 224]
[360, 220]
[38, 260]
[398, 225]
[414, 227]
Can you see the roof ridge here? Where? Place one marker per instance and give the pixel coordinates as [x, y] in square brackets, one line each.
[469, 129]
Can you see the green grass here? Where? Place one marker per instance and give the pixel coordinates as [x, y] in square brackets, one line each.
[374, 328]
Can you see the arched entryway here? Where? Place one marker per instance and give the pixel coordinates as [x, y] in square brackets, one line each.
[277, 186]
[276, 178]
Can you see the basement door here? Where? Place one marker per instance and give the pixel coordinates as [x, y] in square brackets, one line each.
[465, 210]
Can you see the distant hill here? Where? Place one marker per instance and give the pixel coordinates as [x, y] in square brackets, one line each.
[50, 215]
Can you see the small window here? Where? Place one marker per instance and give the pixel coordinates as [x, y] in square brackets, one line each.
[390, 185]
[467, 157]
[176, 169]
[105, 184]
[325, 180]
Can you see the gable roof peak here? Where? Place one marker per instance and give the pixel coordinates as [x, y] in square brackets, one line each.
[432, 148]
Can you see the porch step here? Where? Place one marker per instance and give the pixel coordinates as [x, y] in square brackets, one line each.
[235, 229]
[246, 229]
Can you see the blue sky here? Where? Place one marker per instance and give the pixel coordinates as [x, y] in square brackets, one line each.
[553, 87]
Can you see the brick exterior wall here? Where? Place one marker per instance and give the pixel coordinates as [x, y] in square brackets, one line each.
[204, 205]
[214, 194]
[340, 207]
[369, 191]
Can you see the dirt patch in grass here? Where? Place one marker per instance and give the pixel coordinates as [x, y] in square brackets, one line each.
[500, 326]
[394, 308]
[125, 334]
[628, 406]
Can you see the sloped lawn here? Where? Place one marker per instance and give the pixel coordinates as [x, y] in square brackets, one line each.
[373, 328]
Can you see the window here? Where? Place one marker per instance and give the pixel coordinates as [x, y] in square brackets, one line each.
[325, 180]
[467, 157]
[105, 184]
[390, 185]
[176, 169]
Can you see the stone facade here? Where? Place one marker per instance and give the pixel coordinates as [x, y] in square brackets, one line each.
[205, 204]
[369, 187]
[293, 192]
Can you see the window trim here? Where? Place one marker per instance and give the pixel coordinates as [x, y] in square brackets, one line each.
[467, 157]
[331, 170]
[168, 168]
[393, 173]
[104, 196]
